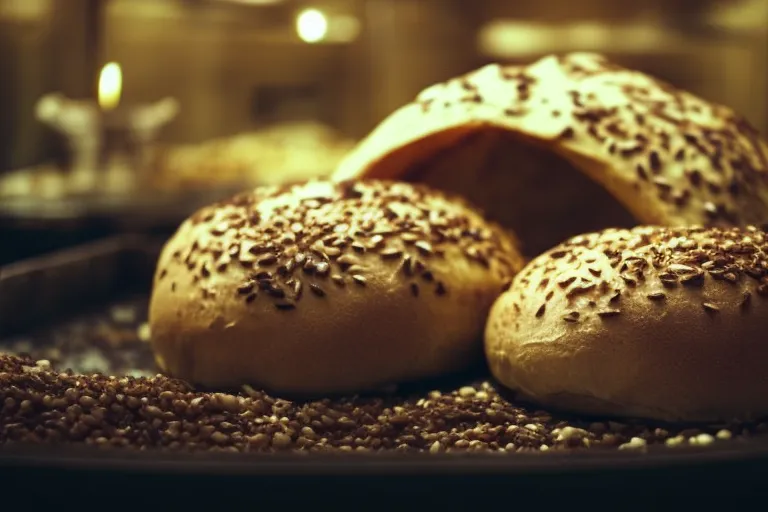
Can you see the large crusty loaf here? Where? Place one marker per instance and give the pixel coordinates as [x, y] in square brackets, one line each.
[665, 323]
[572, 144]
[321, 287]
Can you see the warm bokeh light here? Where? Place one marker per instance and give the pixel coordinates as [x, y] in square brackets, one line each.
[110, 86]
[517, 39]
[254, 2]
[311, 25]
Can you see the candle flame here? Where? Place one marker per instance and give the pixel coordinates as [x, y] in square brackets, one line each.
[110, 86]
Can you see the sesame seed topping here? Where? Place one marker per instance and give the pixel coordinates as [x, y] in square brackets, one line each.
[391, 254]
[322, 268]
[425, 248]
[246, 288]
[317, 290]
[572, 316]
[316, 230]
[268, 260]
[646, 128]
[648, 259]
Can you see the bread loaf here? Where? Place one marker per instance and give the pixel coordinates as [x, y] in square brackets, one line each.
[323, 288]
[572, 144]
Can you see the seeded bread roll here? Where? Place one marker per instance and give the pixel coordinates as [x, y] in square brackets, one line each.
[573, 144]
[322, 288]
[663, 323]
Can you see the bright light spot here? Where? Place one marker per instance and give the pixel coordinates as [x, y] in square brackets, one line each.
[110, 86]
[311, 25]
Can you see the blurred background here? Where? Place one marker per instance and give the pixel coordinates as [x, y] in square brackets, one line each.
[126, 115]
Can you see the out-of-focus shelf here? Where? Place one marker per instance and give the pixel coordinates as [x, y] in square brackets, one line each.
[178, 180]
[147, 210]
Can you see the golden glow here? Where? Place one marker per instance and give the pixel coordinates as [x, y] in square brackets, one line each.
[311, 25]
[254, 2]
[516, 38]
[110, 86]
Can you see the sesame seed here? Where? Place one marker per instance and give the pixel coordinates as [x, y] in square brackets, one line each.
[724, 434]
[703, 439]
[297, 287]
[425, 248]
[246, 288]
[322, 268]
[634, 444]
[675, 441]
[316, 290]
[331, 252]
[710, 208]
[391, 254]
[681, 269]
[571, 317]
[346, 261]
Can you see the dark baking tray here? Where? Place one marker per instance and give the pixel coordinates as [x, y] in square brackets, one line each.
[31, 226]
[51, 288]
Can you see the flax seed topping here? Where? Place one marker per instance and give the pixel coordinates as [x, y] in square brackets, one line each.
[668, 156]
[659, 258]
[644, 126]
[318, 232]
[653, 322]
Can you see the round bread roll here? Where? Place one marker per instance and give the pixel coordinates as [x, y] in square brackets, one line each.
[573, 144]
[322, 288]
[655, 322]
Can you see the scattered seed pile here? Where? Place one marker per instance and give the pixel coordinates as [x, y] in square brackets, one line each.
[42, 404]
[113, 341]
